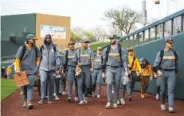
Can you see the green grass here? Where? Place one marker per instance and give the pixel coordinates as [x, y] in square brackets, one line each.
[102, 44]
[7, 87]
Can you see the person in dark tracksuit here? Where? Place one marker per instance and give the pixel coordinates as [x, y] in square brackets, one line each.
[97, 72]
[85, 57]
[47, 68]
[70, 61]
[165, 66]
[113, 57]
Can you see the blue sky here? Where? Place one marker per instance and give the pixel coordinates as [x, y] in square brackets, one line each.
[86, 13]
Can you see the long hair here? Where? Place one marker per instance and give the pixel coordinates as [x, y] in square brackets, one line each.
[46, 37]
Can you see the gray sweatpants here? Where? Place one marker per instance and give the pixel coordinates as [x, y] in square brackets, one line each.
[46, 77]
[97, 78]
[71, 80]
[84, 79]
[125, 87]
[168, 81]
[113, 75]
[28, 89]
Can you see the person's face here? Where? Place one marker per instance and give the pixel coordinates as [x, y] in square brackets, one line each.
[85, 44]
[130, 53]
[112, 41]
[48, 39]
[169, 44]
[30, 41]
[71, 46]
[99, 51]
[34, 41]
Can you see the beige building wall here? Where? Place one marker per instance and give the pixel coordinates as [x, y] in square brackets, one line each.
[53, 20]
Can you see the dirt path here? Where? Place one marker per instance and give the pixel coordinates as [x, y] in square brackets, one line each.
[96, 107]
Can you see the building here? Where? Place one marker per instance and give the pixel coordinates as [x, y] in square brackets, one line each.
[14, 29]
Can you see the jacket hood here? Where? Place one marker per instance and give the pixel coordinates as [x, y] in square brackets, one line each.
[45, 38]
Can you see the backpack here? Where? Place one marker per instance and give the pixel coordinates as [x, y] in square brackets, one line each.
[24, 51]
[66, 58]
[119, 51]
[162, 54]
[131, 76]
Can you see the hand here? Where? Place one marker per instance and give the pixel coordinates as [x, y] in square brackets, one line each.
[91, 69]
[18, 72]
[155, 75]
[103, 75]
[139, 74]
[62, 71]
[159, 73]
[126, 73]
[177, 76]
[129, 72]
[57, 71]
[37, 74]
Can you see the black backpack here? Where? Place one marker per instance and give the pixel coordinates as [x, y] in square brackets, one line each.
[108, 50]
[24, 51]
[66, 58]
[162, 54]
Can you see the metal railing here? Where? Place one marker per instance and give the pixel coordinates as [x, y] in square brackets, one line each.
[168, 26]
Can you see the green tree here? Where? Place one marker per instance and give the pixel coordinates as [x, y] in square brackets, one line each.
[88, 34]
[124, 19]
[74, 37]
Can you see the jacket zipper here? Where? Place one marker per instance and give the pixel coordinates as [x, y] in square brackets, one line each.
[48, 58]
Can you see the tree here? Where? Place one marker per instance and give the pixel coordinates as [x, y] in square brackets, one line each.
[124, 19]
[88, 34]
[74, 37]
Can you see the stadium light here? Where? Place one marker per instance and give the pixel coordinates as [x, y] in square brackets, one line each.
[157, 1]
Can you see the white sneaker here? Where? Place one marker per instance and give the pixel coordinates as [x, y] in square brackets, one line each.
[54, 94]
[63, 93]
[56, 97]
[98, 96]
[76, 99]
[163, 107]
[93, 94]
[171, 110]
[115, 105]
[112, 91]
[81, 102]
[108, 105]
[157, 96]
[122, 101]
[118, 102]
[85, 100]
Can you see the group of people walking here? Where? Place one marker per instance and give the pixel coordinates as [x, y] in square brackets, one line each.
[85, 70]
